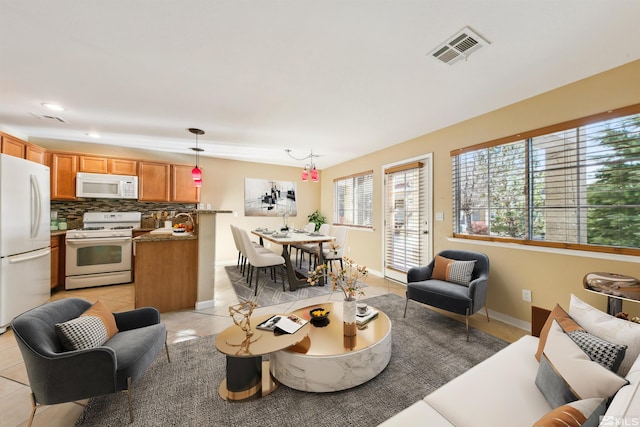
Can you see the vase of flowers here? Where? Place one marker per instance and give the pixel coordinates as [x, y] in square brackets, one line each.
[349, 280]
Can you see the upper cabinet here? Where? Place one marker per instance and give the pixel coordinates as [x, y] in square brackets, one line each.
[154, 182]
[122, 167]
[183, 189]
[98, 164]
[161, 182]
[64, 167]
[18, 148]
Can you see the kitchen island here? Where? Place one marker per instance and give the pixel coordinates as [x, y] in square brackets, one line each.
[166, 271]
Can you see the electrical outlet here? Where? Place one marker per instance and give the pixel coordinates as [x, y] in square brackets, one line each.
[526, 295]
[348, 249]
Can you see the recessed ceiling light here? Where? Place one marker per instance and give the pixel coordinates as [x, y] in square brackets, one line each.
[93, 135]
[54, 107]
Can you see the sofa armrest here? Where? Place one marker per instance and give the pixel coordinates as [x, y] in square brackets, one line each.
[71, 375]
[138, 318]
[418, 274]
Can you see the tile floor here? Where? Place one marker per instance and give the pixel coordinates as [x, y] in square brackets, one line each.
[182, 325]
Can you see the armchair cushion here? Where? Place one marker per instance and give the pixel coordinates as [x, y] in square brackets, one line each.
[82, 333]
[105, 315]
[93, 328]
[453, 271]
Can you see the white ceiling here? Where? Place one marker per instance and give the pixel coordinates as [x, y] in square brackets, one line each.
[341, 77]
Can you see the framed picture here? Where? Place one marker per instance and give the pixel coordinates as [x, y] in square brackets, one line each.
[264, 197]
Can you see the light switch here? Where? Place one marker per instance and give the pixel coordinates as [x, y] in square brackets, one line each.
[439, 216]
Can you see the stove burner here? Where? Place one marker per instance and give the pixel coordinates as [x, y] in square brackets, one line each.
[91, 228]
[122, 227]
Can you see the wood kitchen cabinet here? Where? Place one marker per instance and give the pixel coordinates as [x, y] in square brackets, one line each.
[154, 182]
[108, 165]
[93, 164]
[16, 147]
[166, 274]
[57, 260]
[64, 167]
[123, 167]
[183, 189]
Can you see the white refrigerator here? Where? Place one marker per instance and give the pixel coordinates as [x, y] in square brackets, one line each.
[25, 237]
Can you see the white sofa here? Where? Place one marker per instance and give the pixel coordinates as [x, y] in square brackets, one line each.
[502, 391]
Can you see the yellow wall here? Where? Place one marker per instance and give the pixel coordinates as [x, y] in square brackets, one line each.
[551, 276]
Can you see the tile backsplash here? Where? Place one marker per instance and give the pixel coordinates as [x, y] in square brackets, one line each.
[74, 209]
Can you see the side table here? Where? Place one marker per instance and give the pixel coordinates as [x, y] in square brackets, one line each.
[245, 367]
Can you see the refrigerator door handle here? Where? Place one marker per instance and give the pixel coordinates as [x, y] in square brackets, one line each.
[22, 258]
[36, 207]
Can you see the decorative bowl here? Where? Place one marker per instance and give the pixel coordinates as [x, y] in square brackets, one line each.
[318, 313]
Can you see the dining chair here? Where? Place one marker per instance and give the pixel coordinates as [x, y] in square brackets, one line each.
[258, 260]
[335, 250]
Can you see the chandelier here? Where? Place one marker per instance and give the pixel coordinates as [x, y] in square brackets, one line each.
[309, 170]
[196, 172]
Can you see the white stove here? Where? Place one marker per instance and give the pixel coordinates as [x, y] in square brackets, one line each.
[106, 224]
[99, 253]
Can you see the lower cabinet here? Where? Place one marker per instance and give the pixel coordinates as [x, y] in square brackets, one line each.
[57, 260]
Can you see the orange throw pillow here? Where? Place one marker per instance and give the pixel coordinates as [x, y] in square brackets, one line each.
[101, 311]
[441, 268]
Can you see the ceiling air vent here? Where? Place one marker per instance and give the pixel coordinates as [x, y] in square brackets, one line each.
[459, 46]
[45, 116]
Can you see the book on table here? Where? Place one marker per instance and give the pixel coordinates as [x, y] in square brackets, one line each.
[282, 324]
[363, 319]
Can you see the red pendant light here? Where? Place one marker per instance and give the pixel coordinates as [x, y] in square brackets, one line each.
[309, 170]
[196, 172]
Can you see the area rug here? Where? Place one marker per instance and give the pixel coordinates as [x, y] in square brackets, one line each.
[270, 292]
[428, 350]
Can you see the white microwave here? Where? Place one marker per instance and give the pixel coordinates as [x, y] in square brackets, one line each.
[98, 185]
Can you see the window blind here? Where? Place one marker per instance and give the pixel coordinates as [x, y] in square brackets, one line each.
[577, 187]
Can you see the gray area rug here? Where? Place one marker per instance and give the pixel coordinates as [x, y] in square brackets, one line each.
[270, 292]
[428, 350]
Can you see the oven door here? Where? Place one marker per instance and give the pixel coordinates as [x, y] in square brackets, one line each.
[99, 261]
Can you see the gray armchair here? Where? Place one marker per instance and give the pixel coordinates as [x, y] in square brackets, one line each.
[456, 298]
[57, 375]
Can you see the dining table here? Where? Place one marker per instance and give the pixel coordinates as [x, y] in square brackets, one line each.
[288, 238]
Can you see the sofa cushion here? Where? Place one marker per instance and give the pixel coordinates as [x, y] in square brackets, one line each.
[581, 413]
[610, 328]
[566, 373]
[501, 387]
[136, 349]
[82, 333]
[418, 414]
[564, 320]
[453, 271]
[102, 312]
[607, 354]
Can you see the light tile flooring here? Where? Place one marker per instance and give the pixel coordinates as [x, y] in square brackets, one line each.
[182, 325]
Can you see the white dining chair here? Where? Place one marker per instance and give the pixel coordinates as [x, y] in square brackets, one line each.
[259, 260]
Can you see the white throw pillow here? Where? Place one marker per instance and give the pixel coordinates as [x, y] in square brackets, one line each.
[610, 328]
[570, 373]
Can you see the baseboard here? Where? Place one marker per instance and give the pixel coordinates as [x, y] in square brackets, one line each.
[510, 320]
[201, 305]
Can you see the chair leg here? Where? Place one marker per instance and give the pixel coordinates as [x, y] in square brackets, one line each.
[130, 402]
[282, 273]
[166, 347]
[257, 278]
[34, 406]
[486, 310]
[466, 320]
[405, 307]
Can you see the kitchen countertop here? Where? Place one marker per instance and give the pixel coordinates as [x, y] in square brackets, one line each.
[148, 237]
[55, 233]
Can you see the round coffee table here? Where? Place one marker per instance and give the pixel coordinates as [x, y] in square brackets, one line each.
[244, 360]
[328, 361]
